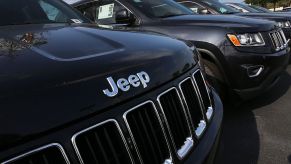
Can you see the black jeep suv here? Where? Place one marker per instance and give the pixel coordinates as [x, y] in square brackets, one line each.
[247, 55]
[75, 93]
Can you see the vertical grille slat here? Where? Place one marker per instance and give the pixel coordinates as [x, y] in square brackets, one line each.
[103, 143]
[92, 152]
[178, 124]
[177, 121]
[146, 131]
[279, 40]
[196, 112]
[203, 93]
[147, 136]
[101, 147]
[50, 154]
[112, 149]
[45, 159]
[156, 142]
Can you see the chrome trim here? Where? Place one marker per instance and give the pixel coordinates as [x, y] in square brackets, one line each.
[38, 150]
[279, 40]
[167, 161]
[180, 156]
[184, 150]
[73, 139]
[207, 90]
[198, 131]
[209, 112]
[261, 69]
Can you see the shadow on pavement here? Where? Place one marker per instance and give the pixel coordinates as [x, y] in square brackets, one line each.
[240, 140]
[289, 158]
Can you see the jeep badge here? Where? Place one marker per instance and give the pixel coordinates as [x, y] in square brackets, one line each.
[124, 85]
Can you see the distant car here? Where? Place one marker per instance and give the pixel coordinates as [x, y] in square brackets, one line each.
[217, 8]
[242, 7]
[237, 52]
[286, 9]
[260, 9]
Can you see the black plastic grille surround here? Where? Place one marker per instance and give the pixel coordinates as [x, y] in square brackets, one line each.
[182, 109]
[102, 144]
[50, 154]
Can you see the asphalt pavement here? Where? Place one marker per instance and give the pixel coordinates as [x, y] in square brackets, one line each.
[259, 131]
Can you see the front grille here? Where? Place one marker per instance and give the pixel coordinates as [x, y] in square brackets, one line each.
[204, 93]
[50, 154]
[191, 97]
[102, 143]
[279, 40]
[181, 111]
[148, 134]
[176, 120]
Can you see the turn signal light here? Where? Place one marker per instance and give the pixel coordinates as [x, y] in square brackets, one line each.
[234, 39]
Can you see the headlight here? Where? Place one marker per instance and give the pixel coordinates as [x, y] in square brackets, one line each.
[285, 24]
[246, 39]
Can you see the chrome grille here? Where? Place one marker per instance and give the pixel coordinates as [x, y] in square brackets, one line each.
[279, 40]
[197, 114]
[182, 110]
[49, 154]
[203, 91]
[146, 130]
[176, 120]
[102, 143]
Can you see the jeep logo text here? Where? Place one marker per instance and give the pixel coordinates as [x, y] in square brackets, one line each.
[124, 85]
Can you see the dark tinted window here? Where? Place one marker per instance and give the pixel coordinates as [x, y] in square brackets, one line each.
[246, 7]
[17, 12]
[160, 8]
[220, 7]
[193, 6]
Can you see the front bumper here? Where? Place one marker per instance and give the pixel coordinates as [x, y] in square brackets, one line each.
[247, 87]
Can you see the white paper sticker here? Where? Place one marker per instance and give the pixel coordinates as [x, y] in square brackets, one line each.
[106, 11]
[76, 20]
[194, 9]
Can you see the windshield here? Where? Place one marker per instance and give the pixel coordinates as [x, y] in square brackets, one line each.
[18, 12]
[220, 7]
[246, 7]
[160, 8]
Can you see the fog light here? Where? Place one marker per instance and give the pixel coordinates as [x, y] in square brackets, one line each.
[254, 70]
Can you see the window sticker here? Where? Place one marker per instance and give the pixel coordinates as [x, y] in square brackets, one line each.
[76, 20]
[195, 9]
[106, 11]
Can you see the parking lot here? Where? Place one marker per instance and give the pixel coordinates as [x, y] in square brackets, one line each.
[259, 131]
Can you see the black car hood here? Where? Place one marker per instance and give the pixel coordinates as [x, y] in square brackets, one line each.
[226, 21]
[54, 74]
[269, 16]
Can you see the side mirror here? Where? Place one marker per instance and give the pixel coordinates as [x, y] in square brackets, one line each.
[124, 17]
[204, 11]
